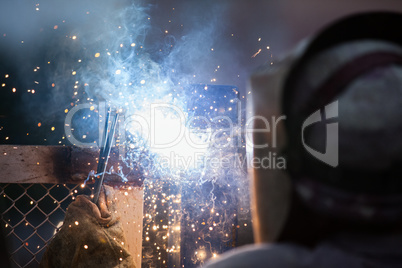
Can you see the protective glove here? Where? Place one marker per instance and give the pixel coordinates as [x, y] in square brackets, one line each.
[91, 236]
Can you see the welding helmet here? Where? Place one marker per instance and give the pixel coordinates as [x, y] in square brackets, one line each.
[330, 113]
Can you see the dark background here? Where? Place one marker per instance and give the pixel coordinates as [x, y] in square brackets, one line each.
[240, 28]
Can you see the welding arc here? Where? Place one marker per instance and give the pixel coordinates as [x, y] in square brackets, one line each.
[104, 153]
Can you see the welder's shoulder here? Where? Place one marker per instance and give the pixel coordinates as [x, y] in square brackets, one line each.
[261, 256]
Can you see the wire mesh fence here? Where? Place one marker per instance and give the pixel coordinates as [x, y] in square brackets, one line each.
[30, 216]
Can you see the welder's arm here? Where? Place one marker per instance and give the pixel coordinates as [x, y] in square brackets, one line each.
[91, 236]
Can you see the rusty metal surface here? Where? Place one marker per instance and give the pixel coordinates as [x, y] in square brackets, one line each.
[44, 164]
[53, 164]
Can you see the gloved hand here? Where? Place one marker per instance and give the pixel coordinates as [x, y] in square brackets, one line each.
[91, 236]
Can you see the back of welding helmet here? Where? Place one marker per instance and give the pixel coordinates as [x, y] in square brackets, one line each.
[329, 113]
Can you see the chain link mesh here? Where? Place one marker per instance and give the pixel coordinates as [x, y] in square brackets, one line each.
[30, 216]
